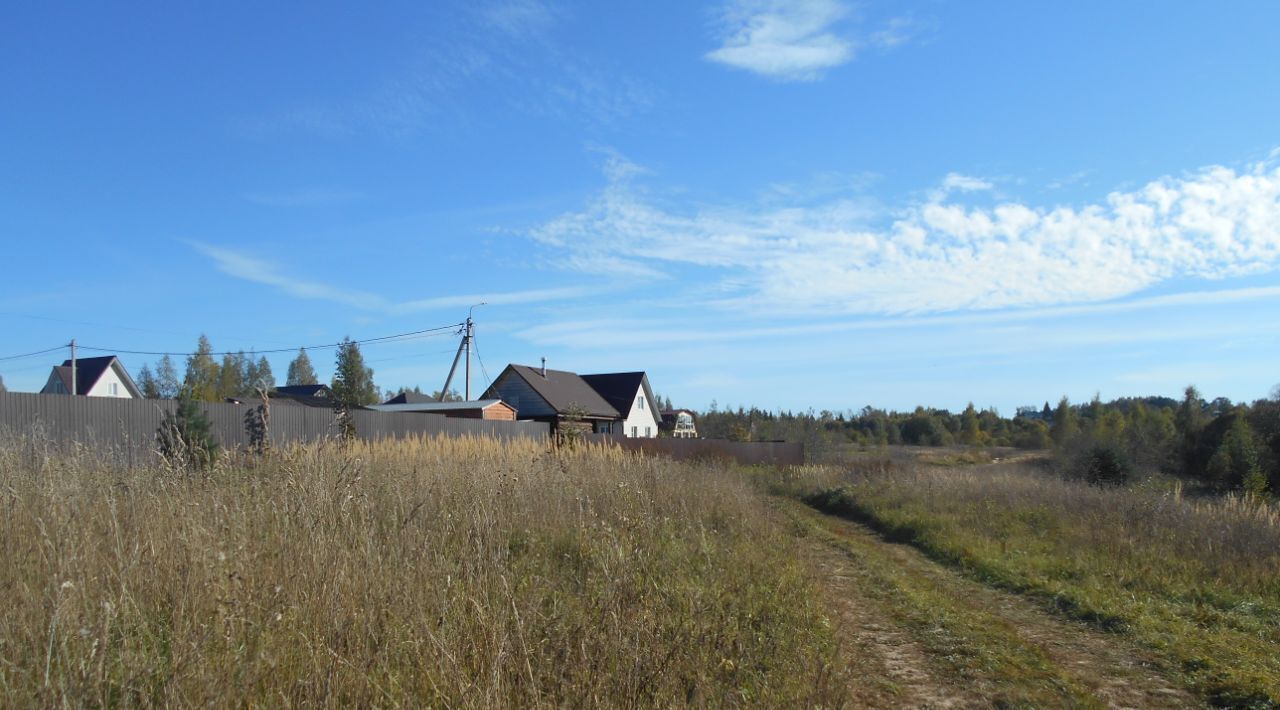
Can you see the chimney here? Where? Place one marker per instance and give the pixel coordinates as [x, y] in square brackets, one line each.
[544, 367]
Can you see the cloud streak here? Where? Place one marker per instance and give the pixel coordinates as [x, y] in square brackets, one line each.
[247, 268]
[940, 254]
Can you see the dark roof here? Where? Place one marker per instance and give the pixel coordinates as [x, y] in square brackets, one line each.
[89, 370]
[564, 391]
[411, 398]
[619, 388]
[302, 391]
[430, 405]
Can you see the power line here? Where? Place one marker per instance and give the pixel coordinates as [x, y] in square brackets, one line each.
[430, 332]
[475, 344]
[38, 352]
[399, 337]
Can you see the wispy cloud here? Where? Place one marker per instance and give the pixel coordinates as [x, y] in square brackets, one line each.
[614, 332]
[792, 41]
[941, 254]
[504, 47]
[520, 18]
[260, 271]
[248, 268]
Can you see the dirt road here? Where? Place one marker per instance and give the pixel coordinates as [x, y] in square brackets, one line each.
[918, 634]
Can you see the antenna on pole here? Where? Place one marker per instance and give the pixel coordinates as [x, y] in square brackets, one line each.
[73, 366]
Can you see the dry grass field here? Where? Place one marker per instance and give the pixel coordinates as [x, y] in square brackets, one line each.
[423, 573]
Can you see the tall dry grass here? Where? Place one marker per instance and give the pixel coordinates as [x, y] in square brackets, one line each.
[449, 572]
[1196, 579]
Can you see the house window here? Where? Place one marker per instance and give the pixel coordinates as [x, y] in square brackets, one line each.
[640, 402]
[633, 432]
[646, 431]
[114, 388]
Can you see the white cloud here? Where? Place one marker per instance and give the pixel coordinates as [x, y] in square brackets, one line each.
[783, 40]
[941, 254]
[964, 183]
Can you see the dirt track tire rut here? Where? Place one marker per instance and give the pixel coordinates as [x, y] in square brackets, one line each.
[919, 634]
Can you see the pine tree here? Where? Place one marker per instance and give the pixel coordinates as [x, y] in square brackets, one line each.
[1235, 463]
[147, 383]
[300, 371]
[352, 385]
[352, 380]
[2, 387]
[1065, 422]
[231, 376]
[970, 430]
[201, 380]
[166, 378]
[263, 379]
[184, 437]
[250, 376]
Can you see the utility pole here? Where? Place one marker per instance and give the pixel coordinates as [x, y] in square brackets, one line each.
[73, 366]
[464, 348]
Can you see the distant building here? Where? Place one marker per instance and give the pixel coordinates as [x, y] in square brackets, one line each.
[93, 377]
[679, 424]
[491, 409]
[560, 398]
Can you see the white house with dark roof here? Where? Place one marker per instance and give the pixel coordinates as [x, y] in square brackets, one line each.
[630, 394]
[93, 377]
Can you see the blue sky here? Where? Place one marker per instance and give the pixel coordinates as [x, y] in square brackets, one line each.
[802, 204]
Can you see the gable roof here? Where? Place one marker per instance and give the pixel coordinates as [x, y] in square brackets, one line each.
[619, 389]
[91, 369]
[302, 391]
[430, 405]
[563, 390]
[412, 398]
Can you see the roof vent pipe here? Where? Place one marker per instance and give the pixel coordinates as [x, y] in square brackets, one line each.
[544, 367]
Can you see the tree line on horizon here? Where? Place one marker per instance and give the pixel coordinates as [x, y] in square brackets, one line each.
[1216, 443]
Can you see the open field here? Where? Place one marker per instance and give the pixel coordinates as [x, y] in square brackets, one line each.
[1194, 584]
[447, 573]
[465, 573]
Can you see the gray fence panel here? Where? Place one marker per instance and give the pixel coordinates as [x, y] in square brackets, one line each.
[126, 428]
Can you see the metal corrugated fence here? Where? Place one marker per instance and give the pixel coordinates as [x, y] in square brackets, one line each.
[128, 426]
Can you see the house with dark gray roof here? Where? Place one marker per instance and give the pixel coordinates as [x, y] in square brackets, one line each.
[560, 398]
[92, 377]
[620, 403]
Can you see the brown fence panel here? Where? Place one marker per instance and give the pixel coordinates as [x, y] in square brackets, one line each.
[774, 453]
[126, 428]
